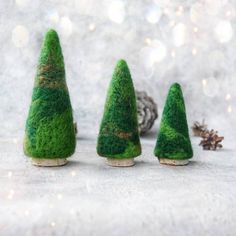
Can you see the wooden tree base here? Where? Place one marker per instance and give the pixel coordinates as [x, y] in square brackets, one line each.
[49, 162]
[120, 162]
[172, 162]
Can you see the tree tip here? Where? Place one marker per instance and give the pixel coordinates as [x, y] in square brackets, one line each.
[51, 37]
[51, 32]
[121, 62]
[176, 85]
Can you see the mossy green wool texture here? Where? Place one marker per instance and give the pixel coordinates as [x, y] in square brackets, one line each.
[118, 137]
[173, 140]
[49, 131]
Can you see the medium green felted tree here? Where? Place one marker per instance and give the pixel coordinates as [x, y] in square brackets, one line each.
[118, 138]
[49, 132]
[173, 144]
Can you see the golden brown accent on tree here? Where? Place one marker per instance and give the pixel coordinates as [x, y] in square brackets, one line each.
[124, 135]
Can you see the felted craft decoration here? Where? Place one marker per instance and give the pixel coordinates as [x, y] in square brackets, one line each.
[49, 132]
[173, 144]
[118, 138]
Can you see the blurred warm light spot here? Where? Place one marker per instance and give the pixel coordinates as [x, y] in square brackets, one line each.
[66, 26]
[195, 29]
[9, 174]
[20, 36]
[204, 82]
[116, 11]
[148, 41]
[15, 140]
[179, 34]
[158, 50]
[180, 8]
[59, 196]
[194, 51]
[26, 212]
[179, 11]
[53, 224]
[173, 54]
[153, 53]
[92, 27]
[224, 31]
[227, 97]
[11, 194]
[22, 3]
[228, 13]
[229, 109]
[166, 11]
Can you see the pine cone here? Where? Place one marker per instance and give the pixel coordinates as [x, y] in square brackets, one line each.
[211, 140]
[198, 128]
[147, 111]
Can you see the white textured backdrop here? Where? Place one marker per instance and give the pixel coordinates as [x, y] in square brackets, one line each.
[191, 42]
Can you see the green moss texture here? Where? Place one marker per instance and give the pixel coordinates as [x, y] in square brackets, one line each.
[173, 140]
[118, 136]
[49, 131]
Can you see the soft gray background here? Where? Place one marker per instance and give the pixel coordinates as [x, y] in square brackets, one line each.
[190, 42]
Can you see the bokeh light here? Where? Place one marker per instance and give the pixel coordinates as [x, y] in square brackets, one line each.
[153, 14]
[180, 34]
[116, 11]
[20, 36]
[224, 31]
[66, 26]
[22, 3]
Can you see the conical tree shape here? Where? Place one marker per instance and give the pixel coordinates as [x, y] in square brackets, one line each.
[49, 131]
[173, 140]
[118, 137]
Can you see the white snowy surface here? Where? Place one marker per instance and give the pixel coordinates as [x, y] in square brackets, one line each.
[87, 197]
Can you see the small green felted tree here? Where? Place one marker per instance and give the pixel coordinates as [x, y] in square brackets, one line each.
[49, 132]
[173, 143]
[118, 138]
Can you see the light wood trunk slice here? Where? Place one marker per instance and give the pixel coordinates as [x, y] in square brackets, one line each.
[120, 162]
[49, 162]
[172, 162]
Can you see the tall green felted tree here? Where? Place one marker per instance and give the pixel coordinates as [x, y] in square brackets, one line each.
[49, 132]
[118, 138]
[173, 144]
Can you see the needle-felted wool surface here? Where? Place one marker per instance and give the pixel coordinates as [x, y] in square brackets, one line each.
[49, 129]
[119, 137]
[173, 140]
